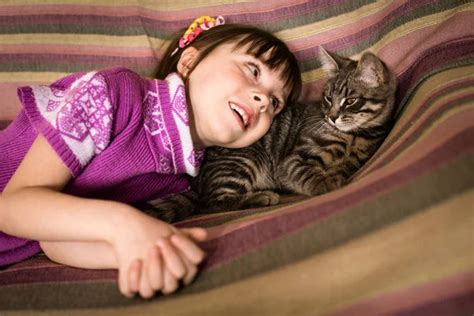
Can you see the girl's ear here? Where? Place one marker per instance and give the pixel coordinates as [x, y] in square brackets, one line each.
[186, 61]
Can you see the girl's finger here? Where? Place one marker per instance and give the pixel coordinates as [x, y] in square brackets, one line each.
[126, 274]
[171, 258]
[188, 248]
[145, 288]
[155, 269]
[134, 272]
[196, 233]
[170, 282]
[123, 284]
[191, 270]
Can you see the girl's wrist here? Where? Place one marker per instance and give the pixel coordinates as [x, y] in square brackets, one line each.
[122, 216]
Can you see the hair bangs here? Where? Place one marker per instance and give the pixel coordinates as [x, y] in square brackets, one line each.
[276, 56]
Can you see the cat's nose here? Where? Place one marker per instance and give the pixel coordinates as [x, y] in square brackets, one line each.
[333, 116]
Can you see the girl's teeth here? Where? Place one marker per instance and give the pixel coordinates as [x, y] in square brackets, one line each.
[242, 113]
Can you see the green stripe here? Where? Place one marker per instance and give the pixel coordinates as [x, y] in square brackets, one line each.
[317, 15]
[72, 68]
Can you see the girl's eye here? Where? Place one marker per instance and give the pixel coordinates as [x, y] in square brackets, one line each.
[254, 70]
[351, 101]
[275, 102]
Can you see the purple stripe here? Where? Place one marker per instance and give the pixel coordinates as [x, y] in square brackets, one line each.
[69, 19]
[247, 239]
[462, 304]
[56, 273]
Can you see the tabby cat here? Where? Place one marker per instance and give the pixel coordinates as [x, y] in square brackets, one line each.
[310, 149]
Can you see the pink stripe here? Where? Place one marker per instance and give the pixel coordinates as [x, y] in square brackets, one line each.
[410, 298]
[404, 51]
[10, 105]
[83, 50]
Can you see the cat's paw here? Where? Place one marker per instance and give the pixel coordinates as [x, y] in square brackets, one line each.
[262, 198]
[163, 212]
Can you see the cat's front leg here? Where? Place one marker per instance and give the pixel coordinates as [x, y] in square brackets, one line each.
[236, 201]
[305, 176]
[260, 199]
[175, 208]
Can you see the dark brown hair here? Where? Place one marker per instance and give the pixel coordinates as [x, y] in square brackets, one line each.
[272, 51]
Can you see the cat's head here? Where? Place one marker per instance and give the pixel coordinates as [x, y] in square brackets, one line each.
[359, 95]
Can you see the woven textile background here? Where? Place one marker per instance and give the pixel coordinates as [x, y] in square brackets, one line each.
[397, 240]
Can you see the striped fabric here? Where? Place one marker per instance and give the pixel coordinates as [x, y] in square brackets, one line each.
[397, 240]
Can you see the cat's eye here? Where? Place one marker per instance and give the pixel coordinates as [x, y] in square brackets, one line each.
[350, 101]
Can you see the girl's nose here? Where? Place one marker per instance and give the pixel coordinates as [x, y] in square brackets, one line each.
[262, 101]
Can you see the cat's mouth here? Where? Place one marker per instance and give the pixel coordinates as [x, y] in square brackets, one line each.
[242, 114]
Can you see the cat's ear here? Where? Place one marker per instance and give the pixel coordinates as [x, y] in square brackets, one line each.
[332, 62]
[371, 70]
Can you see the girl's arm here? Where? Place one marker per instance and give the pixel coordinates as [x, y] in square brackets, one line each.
[32, 206]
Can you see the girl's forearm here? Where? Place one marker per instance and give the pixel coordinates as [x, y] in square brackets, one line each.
[81, 254]
[43, 214]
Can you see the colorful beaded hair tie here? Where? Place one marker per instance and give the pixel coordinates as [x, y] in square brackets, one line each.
[199, 25]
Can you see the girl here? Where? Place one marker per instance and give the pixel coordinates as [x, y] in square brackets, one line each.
[89, 145]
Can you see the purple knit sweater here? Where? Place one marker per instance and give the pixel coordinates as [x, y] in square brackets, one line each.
[122, 137]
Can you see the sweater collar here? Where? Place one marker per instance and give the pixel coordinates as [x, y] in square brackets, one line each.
[167, 125]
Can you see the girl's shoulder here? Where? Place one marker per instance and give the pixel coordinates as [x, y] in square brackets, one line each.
[121, 71]
[120, 74]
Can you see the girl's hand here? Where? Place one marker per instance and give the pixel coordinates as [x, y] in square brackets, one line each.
[133, 237]
[169, 261]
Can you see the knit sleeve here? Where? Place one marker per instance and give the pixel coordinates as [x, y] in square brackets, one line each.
[74, 114]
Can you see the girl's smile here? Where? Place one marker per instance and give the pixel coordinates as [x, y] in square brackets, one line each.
[244, 115]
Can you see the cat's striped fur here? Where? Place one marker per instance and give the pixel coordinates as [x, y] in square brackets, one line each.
[310, 149]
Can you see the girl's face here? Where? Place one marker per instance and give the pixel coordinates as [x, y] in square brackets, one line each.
[233, 96]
